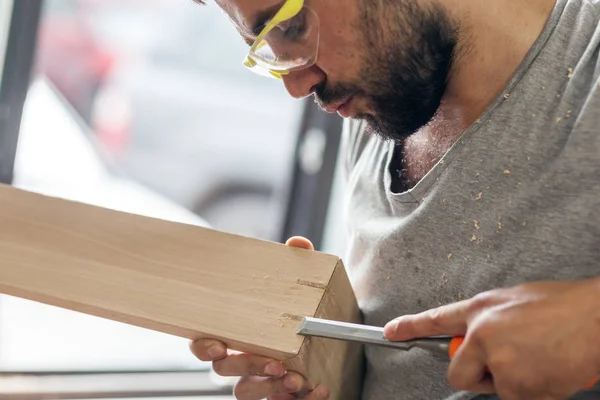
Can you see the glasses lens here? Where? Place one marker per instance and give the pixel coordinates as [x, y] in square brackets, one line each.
[290, 45]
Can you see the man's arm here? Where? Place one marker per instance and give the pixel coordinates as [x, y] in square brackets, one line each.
[539, 340]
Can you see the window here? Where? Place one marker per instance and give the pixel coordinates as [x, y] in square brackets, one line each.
[162, 87]
[144, 106]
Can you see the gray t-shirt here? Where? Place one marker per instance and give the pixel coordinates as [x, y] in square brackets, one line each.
[516, 199]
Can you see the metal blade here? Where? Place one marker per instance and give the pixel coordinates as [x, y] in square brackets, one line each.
[348, 331]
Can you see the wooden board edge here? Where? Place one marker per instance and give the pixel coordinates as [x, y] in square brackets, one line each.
[339, 365]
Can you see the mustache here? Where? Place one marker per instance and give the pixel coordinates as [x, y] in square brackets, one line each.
[327, 94]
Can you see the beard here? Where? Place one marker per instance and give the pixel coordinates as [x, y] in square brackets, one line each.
[408, 54]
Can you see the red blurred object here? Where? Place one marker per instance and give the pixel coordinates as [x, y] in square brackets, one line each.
[71, 58]
[111, 119]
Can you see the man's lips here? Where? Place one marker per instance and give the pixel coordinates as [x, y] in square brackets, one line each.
[344, 109]
[333, 107]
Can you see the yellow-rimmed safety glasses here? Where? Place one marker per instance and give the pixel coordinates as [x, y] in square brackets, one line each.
[289, 42]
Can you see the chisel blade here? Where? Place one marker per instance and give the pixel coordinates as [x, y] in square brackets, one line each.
[347, 331]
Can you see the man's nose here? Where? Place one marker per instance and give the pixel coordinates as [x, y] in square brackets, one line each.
[302, 83]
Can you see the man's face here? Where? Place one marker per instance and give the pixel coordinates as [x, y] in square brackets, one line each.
[384, 61]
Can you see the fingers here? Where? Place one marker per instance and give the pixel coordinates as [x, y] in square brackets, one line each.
[446, 320]
[256, 388]
[301, 242]
[283, 396]
[484, 386]
[467, 370]
[248, 365]
[320, 393]
[208, 349]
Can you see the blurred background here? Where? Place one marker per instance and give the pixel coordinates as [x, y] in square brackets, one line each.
[144, 106]
[161, 85]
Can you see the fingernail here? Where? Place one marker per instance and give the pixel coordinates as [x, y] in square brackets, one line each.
[390, 329]
[216, 351]
[274, 369]
[291, 383]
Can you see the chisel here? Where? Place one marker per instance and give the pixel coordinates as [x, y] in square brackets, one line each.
[444, 345]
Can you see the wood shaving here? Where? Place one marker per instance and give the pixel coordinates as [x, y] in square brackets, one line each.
[570, 73]
[558, 119]
[476, 225]
[459, 296]
[444, 280]
[506, 95]
[479, 196]
[449, 256]
[474, 238]
[506, 172]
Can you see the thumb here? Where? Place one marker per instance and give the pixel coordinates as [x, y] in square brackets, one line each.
[446, 320]
[301, 242]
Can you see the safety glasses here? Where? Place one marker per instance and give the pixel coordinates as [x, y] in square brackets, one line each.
[289, 42]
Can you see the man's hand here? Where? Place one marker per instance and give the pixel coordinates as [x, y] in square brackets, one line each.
[539, 340]
[260, 377]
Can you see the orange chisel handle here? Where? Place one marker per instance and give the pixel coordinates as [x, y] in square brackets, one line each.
[457, 341]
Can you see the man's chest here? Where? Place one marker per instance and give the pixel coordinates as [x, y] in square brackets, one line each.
[418, 154]
[494, 211]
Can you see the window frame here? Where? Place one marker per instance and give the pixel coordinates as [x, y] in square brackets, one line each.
[310, 191]
[17, 66]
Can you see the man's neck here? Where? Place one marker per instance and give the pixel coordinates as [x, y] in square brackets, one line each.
[494, 39]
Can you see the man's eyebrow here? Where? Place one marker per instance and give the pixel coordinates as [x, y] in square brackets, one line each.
[263, 17]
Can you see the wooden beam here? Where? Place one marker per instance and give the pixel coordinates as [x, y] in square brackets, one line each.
[180, 279]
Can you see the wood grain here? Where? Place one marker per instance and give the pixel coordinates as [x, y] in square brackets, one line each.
[179, 279]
